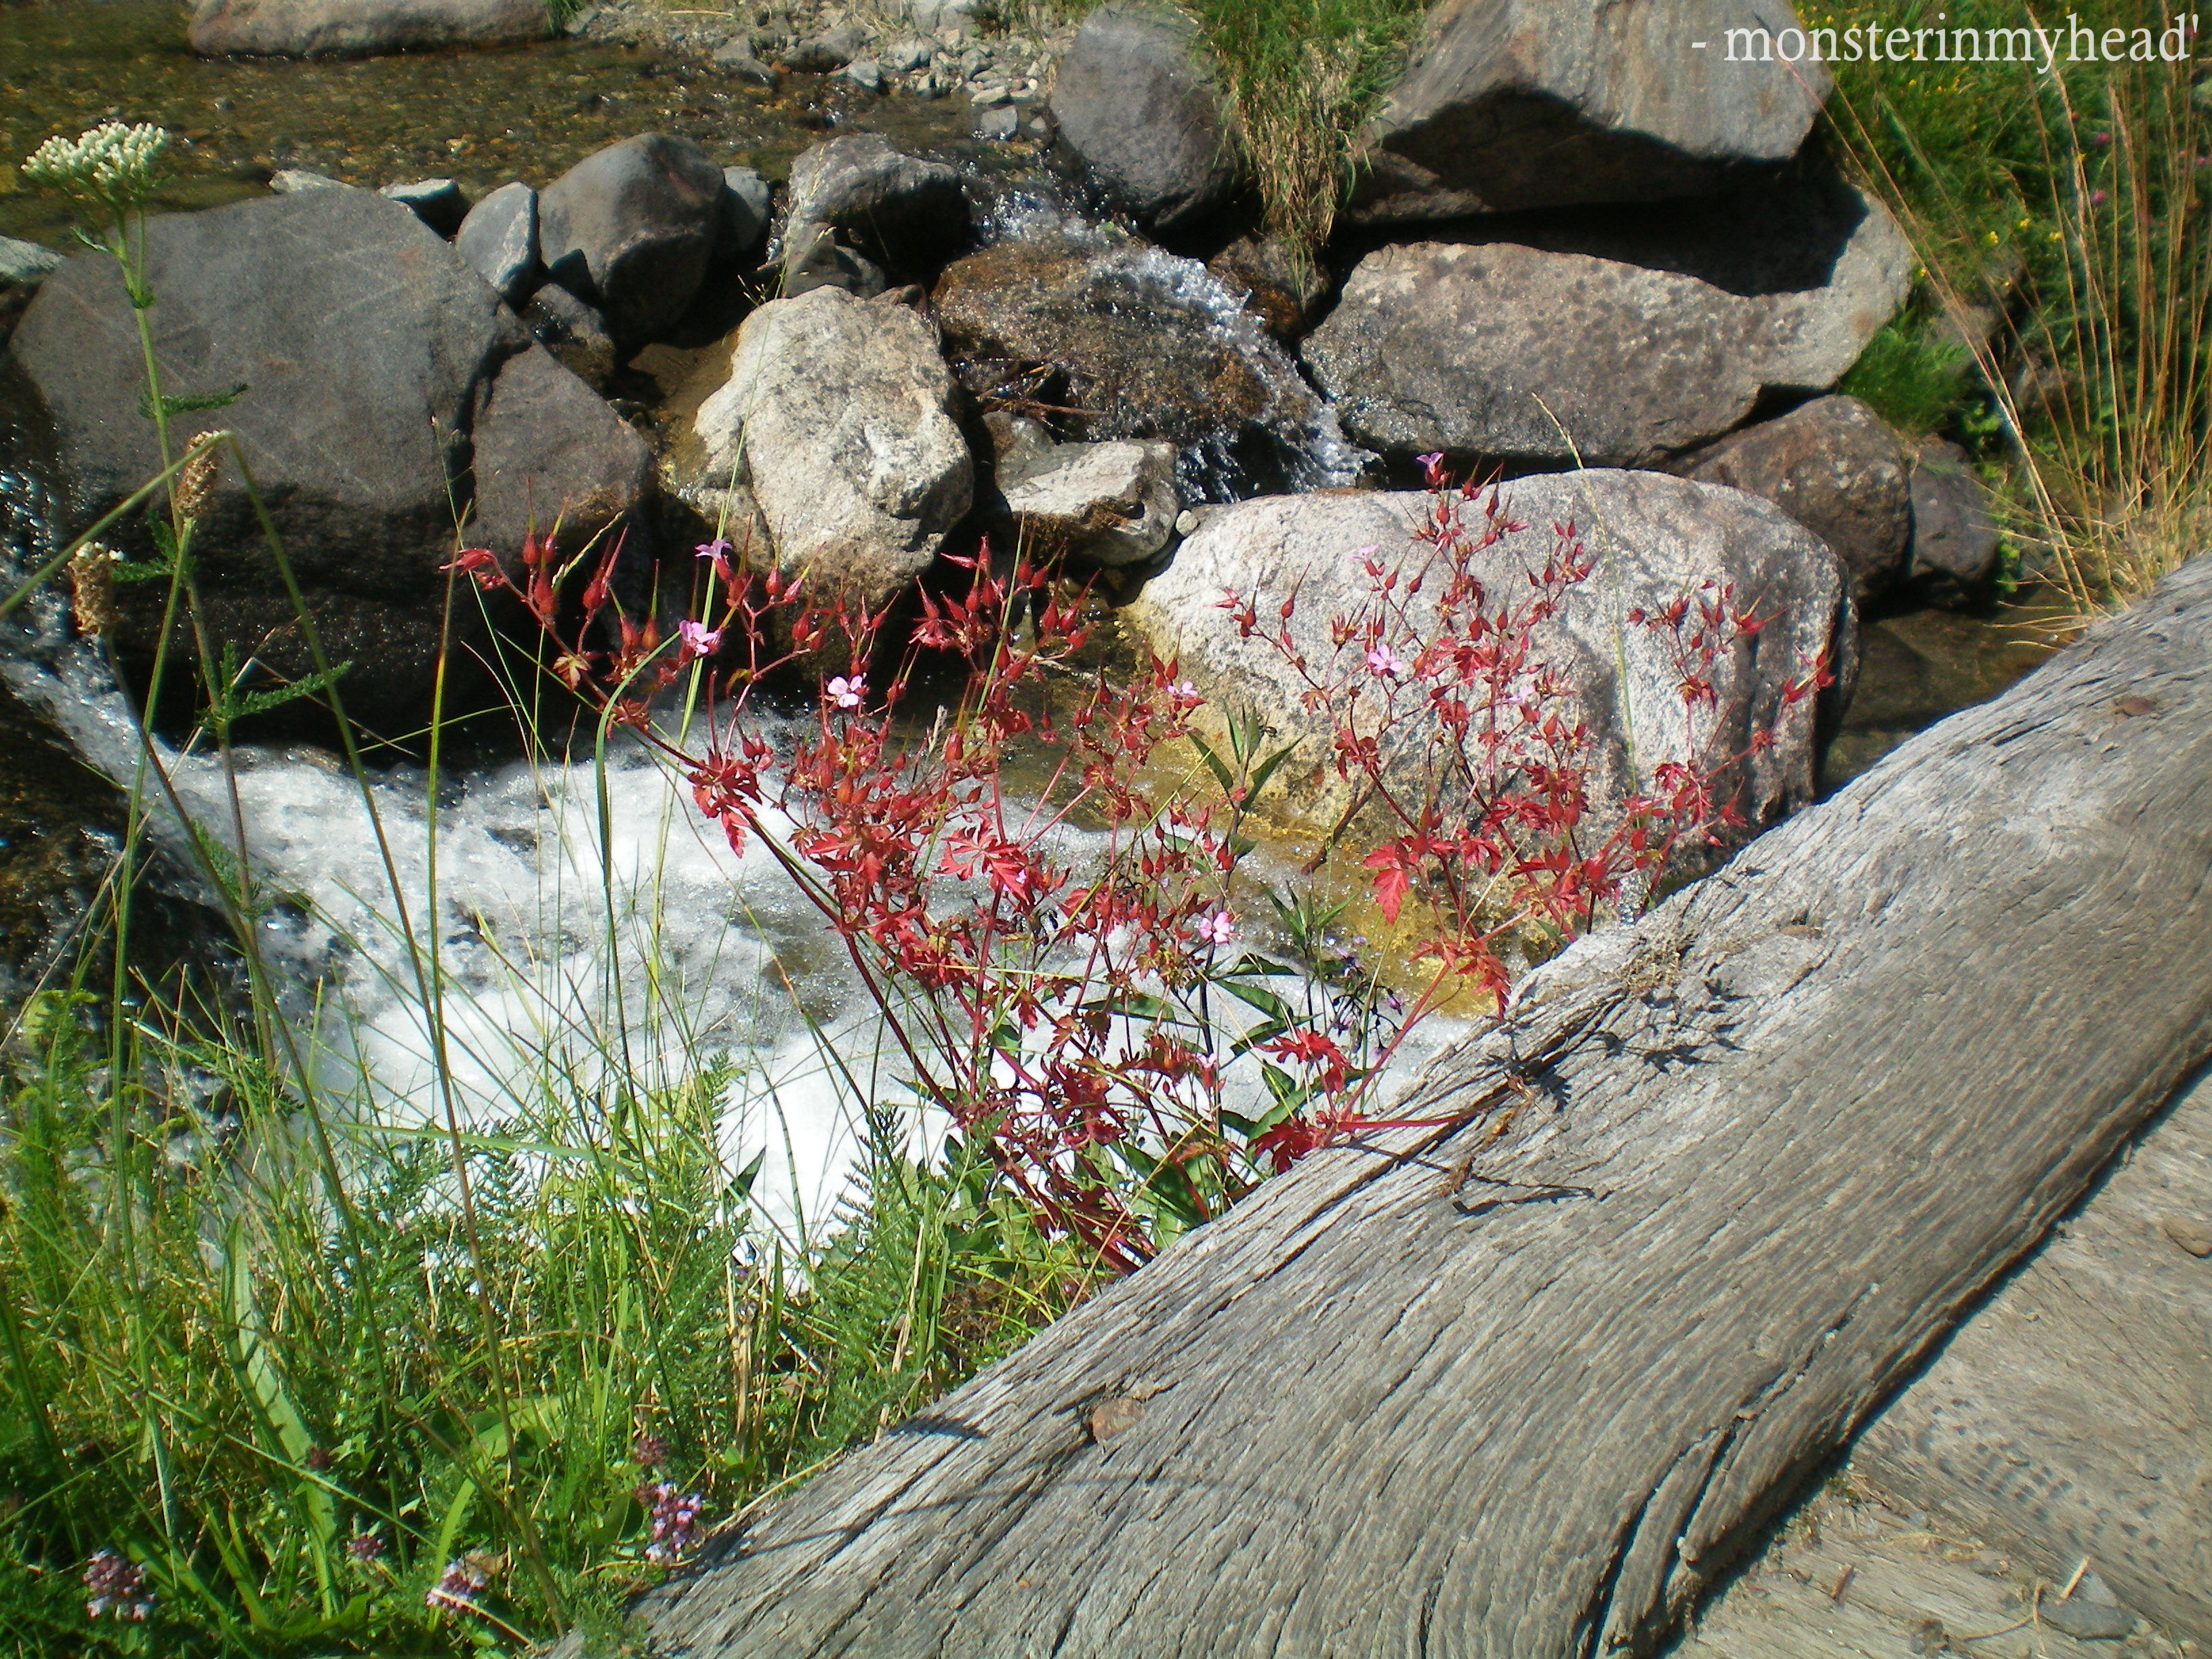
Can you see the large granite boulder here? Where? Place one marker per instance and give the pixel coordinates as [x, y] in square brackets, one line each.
[631, 228]
[1656, 537]
[1135, 99]
[1834, 467]
[837, 419]
[1510, 104]
[1614, 338]
[1118, 339]
[383, 388]
[317, 28]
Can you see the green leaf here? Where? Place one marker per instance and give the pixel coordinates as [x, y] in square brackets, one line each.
[189, 403]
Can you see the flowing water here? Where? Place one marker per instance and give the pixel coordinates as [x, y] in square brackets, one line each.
[572, 923]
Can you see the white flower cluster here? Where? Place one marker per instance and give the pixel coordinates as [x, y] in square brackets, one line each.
[114, 163]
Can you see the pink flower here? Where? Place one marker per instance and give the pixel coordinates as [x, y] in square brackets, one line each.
[1184, 694]
[848, 693]
[699, 640]
[1384, 661]
[117, 1587]
[717, 553]
[1218, 929]
[456, 1591]
[2096, 198]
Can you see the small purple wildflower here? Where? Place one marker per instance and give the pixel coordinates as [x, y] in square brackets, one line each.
[648, 1451]
[675, 1521]
[699, 640]
[717, 553]
[1218, 929]
[847, 693]
[365, 1549]
[456, 1591]
[117, 1587]
[1385, 662]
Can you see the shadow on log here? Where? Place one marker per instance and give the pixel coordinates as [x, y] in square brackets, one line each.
[1518, 1386]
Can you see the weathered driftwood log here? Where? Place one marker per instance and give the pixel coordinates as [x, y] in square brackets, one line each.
[2070, 1419]
[1515, 1386]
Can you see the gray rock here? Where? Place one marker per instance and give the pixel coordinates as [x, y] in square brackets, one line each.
[314, 28]
[1832, 465]
[1000, 123]
[1537, 103]
[904, 56]
[290, 181]
[631, 228]
[937, 16]
[1660, 538]
[1955, 533]
[438, 202]
[744, 221]
[1111, 503]
[864, 72]
[897, 209]
[25, 264]
[1136, 100]
[734, 58]
[1617, 339]
[826, 53]
[836, 417]
[385, 386]
[499, 240]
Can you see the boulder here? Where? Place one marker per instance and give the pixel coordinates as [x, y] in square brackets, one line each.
[744, 224]
[895, 209]
[1136, 100]
[631, 228]
[499, 240]
[1541, 103]
[736, 60]
[837, 418]
[317, 28]
[1657, 538]
[1955, 533]
[1613, 339]
[438, 202]
[1118, 339]
[1110, 503]
[1836, 468]
[383, 388]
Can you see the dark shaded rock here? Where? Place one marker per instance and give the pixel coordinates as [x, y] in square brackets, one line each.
[896, 210]
[315, 28]
[499, 240]
[574, 333]
[743, 225]
[1832, 465]
[438, 202]
[735, 60]
[1616, 340]
[1955, 533]
[1112, 338]
[631, 230]
[386, 390]
[1284, 291]
[816, 258]
[1536, 103]
[1136, 100]
[826, 53]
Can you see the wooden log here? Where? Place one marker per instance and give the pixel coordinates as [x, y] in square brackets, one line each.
[1518, 1385]
[2070, 1419]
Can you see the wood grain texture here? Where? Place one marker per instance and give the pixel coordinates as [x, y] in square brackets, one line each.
[2071, 1417]
[1515, 1386]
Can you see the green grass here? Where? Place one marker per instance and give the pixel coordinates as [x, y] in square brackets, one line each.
[2076, 207]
